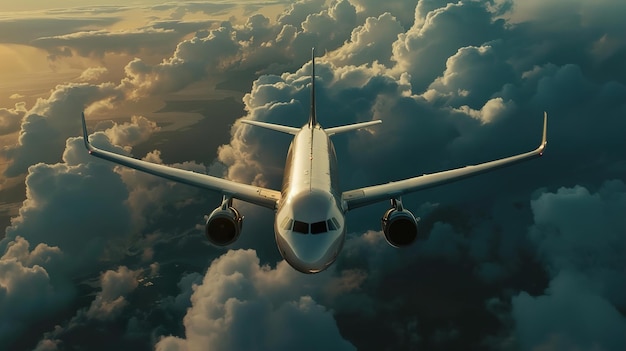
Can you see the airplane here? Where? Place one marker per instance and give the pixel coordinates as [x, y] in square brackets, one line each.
[310, 210]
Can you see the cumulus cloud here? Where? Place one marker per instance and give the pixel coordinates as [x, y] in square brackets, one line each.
[369, 42]
[27, 292]
[115, 285]
[50, 122]
[10, 118]
[241, 305]
[92, 74]
[568, 316]
[424, 48]
[57, 193]
[579, 237]
[455, 84]
[138, 130]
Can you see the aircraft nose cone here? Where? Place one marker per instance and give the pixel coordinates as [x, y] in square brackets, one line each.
[312, 254]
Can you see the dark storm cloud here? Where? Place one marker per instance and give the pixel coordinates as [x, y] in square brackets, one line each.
[579, 236]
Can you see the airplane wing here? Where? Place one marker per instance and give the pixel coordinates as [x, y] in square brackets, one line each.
[349, 127]
[364, 196]
[249, 193]
[276, 127]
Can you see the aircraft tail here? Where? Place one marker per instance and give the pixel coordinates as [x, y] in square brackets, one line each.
[312, 117]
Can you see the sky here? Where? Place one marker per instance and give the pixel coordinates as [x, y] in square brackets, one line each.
[95, 256]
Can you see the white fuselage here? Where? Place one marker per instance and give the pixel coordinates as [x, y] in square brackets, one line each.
[310, 223]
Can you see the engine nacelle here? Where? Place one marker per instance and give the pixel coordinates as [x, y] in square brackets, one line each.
[399, 226]
[223, 226]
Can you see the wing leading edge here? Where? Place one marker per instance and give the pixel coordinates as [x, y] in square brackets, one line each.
[368, 195]
[249, 193]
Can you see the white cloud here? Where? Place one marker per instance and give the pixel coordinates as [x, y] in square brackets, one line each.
[92, 74]
[11, 118]
[242, 305]
[115, 285]
[50, 122]
[492, 110]
[128, 134]
[369, 42]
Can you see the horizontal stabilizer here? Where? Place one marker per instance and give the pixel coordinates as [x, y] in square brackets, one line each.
[349, 127]
[276, 127]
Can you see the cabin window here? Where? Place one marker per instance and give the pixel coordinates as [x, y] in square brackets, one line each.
[318, 227]
[301, 227]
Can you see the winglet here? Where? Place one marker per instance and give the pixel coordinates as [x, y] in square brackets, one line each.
[85, 135]
[544, 138]
[312, 117]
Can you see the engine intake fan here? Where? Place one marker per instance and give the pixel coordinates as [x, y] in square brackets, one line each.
[224, 224]
[399, 225]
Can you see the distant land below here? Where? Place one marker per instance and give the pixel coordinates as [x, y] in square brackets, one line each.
[197, 142]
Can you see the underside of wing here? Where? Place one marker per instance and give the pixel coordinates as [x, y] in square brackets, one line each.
[249, 193]
[364, 196]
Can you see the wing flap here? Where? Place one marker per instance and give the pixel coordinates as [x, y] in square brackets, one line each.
[249, 193]
[368, 195]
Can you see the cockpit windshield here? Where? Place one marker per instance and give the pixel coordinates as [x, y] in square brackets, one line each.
[312, 228]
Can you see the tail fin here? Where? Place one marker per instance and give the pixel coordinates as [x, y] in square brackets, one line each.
[312, 117]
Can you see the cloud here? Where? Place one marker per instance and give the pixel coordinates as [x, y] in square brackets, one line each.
[369, 42]
[581, 307]
[138, 130]
[568, 316]
[190, 62]
[10, 118]
[462, 83]
[57, 194]
[403, 10]
[108, 304]
[424, 48]
[27, 292]
[115, 285]
[25, 30]
[51, 121]
[239, 305]
[93, 74]
[100, 42]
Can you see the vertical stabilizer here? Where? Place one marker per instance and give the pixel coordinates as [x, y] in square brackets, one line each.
[312, 117]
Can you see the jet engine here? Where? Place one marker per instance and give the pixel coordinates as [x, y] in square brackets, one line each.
[224, 224]
[399, 225]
